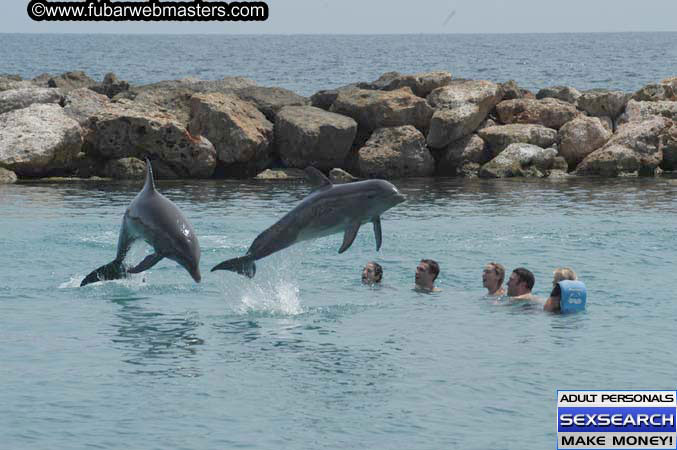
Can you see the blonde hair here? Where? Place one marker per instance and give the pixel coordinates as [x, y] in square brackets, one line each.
[563, 273]
[499, 269]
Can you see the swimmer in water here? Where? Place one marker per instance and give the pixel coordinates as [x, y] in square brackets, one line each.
[426, 273]
[372, 273]
[492, 279]
[520, 283]
[560, 274]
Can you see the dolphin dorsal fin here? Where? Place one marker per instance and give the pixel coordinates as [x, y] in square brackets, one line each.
[317, 178]
[150, 183]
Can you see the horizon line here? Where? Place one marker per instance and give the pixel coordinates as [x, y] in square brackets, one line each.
[333, 34]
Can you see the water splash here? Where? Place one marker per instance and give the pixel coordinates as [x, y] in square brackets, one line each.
[281, 297]
[130, 282]
[275, 290]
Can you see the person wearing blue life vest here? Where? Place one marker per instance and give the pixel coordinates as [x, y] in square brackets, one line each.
[552, 304]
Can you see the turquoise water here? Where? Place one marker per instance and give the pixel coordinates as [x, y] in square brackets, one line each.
[303, 355]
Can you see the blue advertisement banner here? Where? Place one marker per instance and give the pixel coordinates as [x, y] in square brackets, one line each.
[616, 419]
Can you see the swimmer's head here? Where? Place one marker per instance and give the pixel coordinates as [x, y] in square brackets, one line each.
[372, 273]
[493, 275]
[563, 273]
[521, 282]
[426, 273]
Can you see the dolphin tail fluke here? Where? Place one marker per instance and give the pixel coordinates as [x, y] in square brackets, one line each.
[243, 265]
[111, 271]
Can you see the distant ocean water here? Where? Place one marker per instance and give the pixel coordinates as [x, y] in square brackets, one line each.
[308, 63]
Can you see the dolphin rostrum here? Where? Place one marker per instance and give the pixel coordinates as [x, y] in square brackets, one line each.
[327, 210]
[155, 219]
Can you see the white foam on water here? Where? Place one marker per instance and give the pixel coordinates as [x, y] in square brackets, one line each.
[274, 290]
[131, 282]
[281, 297]
[73, 282]
[108, 237]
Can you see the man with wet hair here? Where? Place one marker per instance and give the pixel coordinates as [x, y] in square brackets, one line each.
[492, 279]
[520, 284]
[372, 273]
[426, 273]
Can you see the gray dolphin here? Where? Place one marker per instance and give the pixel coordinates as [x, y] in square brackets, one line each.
[158, 221]
[329, 209]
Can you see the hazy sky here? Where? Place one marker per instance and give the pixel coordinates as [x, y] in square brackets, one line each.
[396, 16]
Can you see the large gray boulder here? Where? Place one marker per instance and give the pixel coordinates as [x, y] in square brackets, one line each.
[637, 111]
[241, 134]
[421, 84]
[462, 106]
[125, 169]
[501, 136]
[378, 109]
[510, 91]
[67, 81]
[396, 152]
[111, 86]
[38, 140]
[127, 129]
[483, 93]
[669, 146]
[325, 98]
[549, 112]
[10, 84]
[580, 137]
[564, 93]
[10, 77]
[449, 125]
[270, 100]
[10, 81]
[173, 96]
[21, 98]
[656, 92]
[308, 136]
[281, 174]
[7, 176]
[340, 176]
[671, 82]
[463, 157]
[83, 104]
[603, 102]
[522, 160]
[612, 161]
[635, 147]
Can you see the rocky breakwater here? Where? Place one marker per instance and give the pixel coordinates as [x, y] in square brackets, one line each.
[400, 125]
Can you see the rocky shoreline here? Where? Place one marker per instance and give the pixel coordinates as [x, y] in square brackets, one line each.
[420, 125]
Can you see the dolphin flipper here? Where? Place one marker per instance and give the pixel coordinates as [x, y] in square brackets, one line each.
[377, 232]
[349, 236]
[243, 265]
[112, 271]
[148, 262]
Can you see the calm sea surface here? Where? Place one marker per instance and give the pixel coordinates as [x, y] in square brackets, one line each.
[308, 63]
[303, 355]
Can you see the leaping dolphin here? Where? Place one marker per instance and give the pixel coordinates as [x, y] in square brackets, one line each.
[155, 219]
[329, 209]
